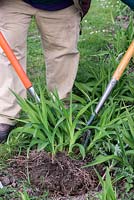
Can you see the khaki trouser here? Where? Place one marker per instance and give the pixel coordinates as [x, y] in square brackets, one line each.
[59, 34]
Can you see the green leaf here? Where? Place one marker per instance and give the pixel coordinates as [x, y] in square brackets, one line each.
[130, 152]
[81, 148]
[42, 145]
[101, 159]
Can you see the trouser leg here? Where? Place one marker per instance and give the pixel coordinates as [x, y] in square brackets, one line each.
[14, 24]
[59, 34]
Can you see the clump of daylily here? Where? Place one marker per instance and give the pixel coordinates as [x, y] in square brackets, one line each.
[51, 125]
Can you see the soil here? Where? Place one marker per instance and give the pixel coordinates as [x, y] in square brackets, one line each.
[122, 21]
[62, 176]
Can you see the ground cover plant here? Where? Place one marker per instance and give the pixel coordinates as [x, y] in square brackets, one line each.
[44, 157]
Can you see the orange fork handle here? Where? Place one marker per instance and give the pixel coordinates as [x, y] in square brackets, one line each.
[124, 62]
[15, 63]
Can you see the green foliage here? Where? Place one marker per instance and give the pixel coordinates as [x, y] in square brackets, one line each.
[117, 131]
[24, 196]
[108, 192]
[6, 193]
[52, 126]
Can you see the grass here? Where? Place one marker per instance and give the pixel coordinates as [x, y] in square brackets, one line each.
[103, 39]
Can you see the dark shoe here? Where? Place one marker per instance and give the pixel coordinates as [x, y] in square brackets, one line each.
[4, 131]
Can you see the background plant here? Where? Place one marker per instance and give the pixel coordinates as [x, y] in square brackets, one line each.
[108, 192]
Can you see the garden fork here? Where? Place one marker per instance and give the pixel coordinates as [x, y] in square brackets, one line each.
[115, 78]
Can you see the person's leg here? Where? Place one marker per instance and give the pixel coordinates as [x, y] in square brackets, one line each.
[60, 32]
[14, 22]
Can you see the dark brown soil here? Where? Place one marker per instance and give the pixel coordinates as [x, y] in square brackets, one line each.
[61, 176]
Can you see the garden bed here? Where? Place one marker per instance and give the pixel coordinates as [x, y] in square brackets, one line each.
[61, 176]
